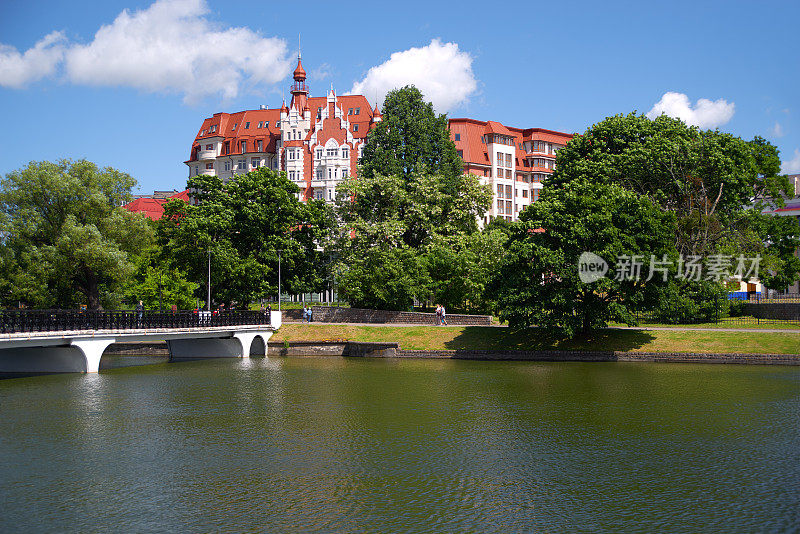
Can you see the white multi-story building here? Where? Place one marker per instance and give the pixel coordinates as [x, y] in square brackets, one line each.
[513, 161]
[316, 140]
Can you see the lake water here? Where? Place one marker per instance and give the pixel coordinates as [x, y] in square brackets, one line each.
[352, 445]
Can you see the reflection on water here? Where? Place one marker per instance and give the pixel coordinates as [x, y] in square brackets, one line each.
[350, 445]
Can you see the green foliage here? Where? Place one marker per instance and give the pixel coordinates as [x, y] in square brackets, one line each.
[410, 140]
[537, 282]
[712, 181]
[411, 208]
[245, 223]
[159, 285]
[66, 238]
[688, 302]
[382, 278]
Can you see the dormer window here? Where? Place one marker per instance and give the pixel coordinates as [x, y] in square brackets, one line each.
[355, 127]
[350, 111]
[235, 124]
[458, 137]
[247, 126]
[244, 147]
[358, 110]
[260, 145]
[266, 124]
[209, 147]
[260, 123]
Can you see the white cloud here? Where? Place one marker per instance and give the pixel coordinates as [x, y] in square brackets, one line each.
[171, 46]
[18, 69]
[440, 71]
[705, 113]
[793, 165]
[777, 130]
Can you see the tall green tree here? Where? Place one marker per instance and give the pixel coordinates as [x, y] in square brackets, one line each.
[66, 240]
[538, 281]
[410, 205]
[716, 184]
[245, 223]
[410, 140]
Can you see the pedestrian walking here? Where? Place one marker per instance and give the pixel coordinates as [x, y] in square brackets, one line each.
[444, 316]
[139, 314]
[438, 315]
[310, 314]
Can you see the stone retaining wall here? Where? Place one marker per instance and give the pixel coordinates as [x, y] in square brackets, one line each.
[334, 314]
[773, 310]
[393, 350]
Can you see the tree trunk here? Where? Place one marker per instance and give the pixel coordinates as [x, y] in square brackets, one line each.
[91, 290]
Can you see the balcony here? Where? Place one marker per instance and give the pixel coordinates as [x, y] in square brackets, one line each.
[298, 87]
[206, 154]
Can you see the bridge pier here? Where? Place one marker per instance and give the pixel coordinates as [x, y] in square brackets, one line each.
[240, 345]
[92, 350]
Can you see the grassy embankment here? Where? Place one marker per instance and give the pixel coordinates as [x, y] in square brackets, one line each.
[489, 338]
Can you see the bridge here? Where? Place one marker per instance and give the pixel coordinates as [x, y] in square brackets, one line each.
[68, 341]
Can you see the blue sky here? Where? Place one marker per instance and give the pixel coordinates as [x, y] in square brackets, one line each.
[128, 83]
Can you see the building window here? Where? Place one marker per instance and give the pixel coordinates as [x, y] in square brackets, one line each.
[345, 153]
[209, 147]
[358, 111]
[260, 145]
[319, 153]
[318, 194]
[196, 170]
[330, 174]
[535, 195]
[228, 166]
[209, 165]
[508, 191]
[355, 127]
[345, 173]
[227, 147]
[254, 163]
[243, 147]
[332, 152]
[319, 174]
[247, 126]
[234, 125]
[241, 164]
[460, 153]
[330, 194]
[214, 128]
[458, 137]
[260, 123]
[499, 191]
[524, 193]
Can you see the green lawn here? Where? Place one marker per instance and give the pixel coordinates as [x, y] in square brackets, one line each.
[485, 338]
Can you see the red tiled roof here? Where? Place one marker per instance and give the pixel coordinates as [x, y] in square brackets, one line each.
[153, 208]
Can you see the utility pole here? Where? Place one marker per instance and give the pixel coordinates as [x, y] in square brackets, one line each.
[208, 302]
[279, 280]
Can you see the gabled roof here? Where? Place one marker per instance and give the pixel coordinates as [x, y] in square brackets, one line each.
[153, 208]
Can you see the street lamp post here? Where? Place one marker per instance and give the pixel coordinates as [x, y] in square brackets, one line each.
[208, 302]
[279, 280]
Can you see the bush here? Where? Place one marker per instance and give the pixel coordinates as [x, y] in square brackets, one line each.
[685, 302]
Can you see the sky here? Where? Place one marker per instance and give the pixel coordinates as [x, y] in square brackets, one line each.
[127, 83]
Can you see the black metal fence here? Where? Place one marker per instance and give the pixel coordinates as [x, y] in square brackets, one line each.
[747, 313]
[12, 321]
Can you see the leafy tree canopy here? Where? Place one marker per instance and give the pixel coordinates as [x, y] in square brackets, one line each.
[538, 282]
[66, 240]
[410, 140]
[712, 181]
[245, 223]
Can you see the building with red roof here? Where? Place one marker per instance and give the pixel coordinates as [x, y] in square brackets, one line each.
[514, 161]
[317, 141]
[153, 205]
